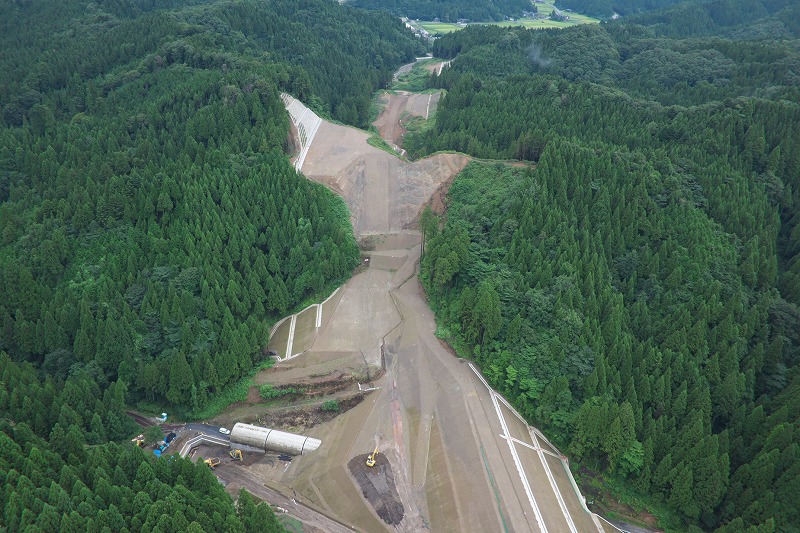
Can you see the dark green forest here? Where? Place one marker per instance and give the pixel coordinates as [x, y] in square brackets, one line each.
[635, 292]
[152, 228]
[607, 8]
[737, 19]
[631, 58]
[687, 16]
[151, 224]
[53, 481]
[330, 56]
[449, 10]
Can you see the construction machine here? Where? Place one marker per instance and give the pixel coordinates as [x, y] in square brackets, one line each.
[212, 462]
[236, 455]
[371, 458]
[138, 441]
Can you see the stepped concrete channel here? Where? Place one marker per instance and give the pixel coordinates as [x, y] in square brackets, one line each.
[463, 459]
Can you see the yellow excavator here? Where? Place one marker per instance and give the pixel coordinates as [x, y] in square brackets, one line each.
[138, 441]
[371, 458]
[236, 455]
[212, 462]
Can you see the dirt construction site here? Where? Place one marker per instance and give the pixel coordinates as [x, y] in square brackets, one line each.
[400, 106]
[452, 454]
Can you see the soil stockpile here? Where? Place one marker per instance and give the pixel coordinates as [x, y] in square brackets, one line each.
[377, 486]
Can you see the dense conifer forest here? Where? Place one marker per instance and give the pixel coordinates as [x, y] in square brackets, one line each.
[751, 19]
[635, 291]
[53, 481]
[449, 10]
[152, 228]
[686, 15]
[151, 223]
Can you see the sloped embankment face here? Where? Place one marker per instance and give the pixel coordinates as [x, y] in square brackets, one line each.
[399, 107]
[377, 486]
[384, 193]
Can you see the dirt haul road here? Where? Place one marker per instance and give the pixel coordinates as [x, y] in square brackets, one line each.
[235, 477]
[461, 459]
[398, 106]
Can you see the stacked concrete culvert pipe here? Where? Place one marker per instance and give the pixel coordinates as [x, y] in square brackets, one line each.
[272, 440]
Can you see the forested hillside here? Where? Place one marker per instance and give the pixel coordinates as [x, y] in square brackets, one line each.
[151, 224]
[636, 294]
[53, 481]
[689, 71]
[689, 17]
[607, 8]
[329, 55]
[152, 228]
[748, 19]
[449, 10]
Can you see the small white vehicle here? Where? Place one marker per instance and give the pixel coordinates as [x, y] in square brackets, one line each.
[225, 431]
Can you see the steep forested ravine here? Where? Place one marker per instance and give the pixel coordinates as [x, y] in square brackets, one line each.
[151, 228]
[636, 293]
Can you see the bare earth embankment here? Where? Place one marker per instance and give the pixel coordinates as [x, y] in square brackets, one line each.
[458, 459]
[383, 192]
[400, 106]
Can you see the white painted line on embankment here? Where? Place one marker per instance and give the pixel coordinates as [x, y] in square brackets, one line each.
[518, 464]
[531, 446]
[514, 456]
[292, 319]
[552, 480]
[277, 324]
[309, 140]
[610, 524]
[547, 471]
[290, 340]
[307, 123]
[534, 433]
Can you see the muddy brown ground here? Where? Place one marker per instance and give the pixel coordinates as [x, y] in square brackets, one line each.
[314, 519]
[383, 192]
[377, 486]
[398, 107]
[300, 420]
[435, 422]
[300, 408]
[432, 417]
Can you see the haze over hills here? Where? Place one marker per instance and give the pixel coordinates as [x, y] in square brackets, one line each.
[633, 291]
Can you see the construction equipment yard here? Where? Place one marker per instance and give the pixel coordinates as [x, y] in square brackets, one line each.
[452, 454]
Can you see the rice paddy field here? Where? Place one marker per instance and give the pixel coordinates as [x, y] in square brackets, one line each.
[440, 28]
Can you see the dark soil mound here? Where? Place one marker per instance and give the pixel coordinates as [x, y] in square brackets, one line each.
[377, 486]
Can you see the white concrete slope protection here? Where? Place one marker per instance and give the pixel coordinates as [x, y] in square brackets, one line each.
[307, 123]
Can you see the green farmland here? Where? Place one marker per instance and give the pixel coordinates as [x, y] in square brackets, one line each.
[435, 28]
